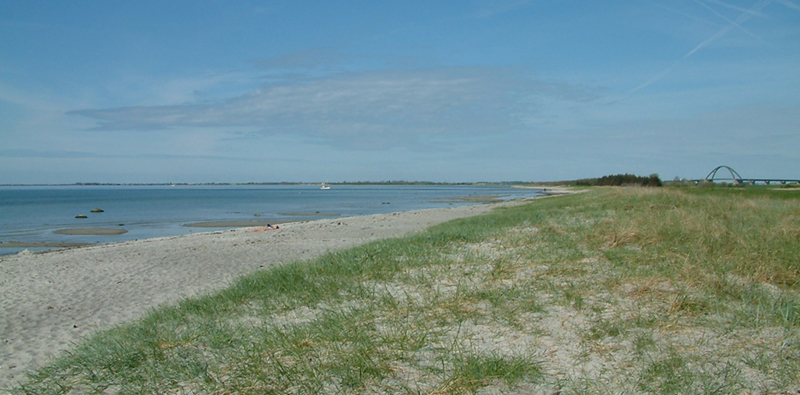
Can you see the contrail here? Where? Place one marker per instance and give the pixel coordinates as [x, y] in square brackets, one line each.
[739, 26]
[789, 4]
[722, 32]
[754, 10]
[740, 9]
[656, 78]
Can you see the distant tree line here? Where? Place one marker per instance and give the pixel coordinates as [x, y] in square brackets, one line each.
[622, 179]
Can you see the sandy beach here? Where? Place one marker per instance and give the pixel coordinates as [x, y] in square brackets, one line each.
[52, 300]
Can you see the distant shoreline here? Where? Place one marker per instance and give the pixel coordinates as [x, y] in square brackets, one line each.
[169, 184]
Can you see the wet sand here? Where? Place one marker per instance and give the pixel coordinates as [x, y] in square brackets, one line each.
[230, 224]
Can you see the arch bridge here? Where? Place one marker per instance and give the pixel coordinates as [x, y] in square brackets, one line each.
[738, 179]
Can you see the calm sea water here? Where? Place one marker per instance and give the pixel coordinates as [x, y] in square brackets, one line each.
[33, 214]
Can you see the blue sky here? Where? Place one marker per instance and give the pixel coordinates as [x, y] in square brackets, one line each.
[537, 90]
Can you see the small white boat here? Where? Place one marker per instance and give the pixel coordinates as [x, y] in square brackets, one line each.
[323, 186]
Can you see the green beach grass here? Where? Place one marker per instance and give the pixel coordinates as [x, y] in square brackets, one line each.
[615, 290]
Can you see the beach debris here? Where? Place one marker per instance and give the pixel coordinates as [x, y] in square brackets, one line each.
[268, 227]
[81, 216]
[97, 210]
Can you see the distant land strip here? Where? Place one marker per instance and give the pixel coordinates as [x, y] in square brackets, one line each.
[400, 182]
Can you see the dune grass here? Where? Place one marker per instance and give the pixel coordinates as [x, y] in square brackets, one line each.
[619, 290]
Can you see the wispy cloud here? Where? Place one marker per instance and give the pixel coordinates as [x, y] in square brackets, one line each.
[58, 154]
[307, 58]
[66, 154]
[376, 109]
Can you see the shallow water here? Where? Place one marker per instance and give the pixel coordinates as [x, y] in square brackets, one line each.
[32, 214]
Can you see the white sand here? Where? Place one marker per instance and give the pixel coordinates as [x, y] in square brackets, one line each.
[52, 300]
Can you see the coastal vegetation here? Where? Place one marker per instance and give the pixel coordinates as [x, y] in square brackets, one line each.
[622, 180]
[614, 290]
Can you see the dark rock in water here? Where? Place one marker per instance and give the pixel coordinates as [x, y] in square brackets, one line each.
[97, 210]
[81, 216]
